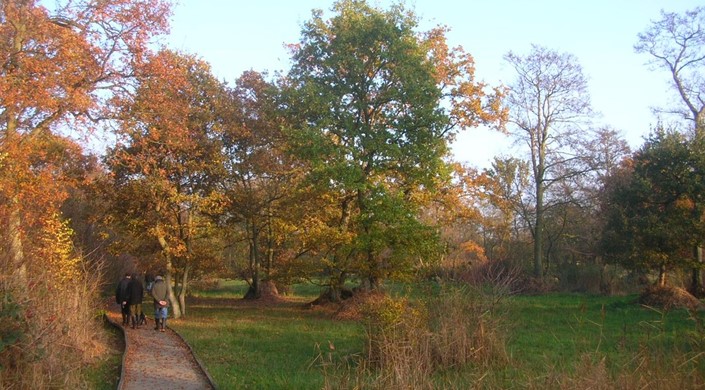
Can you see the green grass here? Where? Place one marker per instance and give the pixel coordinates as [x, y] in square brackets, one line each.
[268, 347]
[104, 374]
[557, 329]
[249, 347]
[229, 288]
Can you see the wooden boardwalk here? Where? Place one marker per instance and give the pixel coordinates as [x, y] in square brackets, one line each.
[157, 360]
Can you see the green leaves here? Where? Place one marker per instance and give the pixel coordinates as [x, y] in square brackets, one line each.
[655, 217]
[373, 128]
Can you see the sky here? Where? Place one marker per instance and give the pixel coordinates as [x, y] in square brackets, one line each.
[235, 36]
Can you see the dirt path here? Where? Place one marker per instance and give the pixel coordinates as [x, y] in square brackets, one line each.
[157, 360]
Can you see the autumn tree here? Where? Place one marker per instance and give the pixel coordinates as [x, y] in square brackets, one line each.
[676, 44]
[377, 103]
[57, 70]
[549, 105]
[53, 65]
[501, 188]
[162, 162]
[257, 176]
[655, 206]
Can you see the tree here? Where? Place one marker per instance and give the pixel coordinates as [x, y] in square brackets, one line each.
[502, 186]
[548, 103]
[164, 158]
[258, 175]
[655, 206]
[376, 104]
[58, 69]
[57, 72]
[676, 43]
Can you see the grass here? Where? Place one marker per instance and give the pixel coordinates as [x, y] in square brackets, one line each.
[246, 345]
[567, 338]
[104, 374]
[251, 347]
[555, 329]
[228, 288]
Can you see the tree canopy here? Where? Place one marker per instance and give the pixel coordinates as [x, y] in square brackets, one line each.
[655, 207]
[377, 104]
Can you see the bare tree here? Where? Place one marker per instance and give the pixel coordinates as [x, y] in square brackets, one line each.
[549, 106]
[676, 43]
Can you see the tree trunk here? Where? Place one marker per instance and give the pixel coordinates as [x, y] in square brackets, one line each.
[336, 289]
[19, 269]
[254, 291]
[175, 305]
[184, 287]
[662, 275]
[14, 223]
[696, 285]
[270, 245]
[538, 232]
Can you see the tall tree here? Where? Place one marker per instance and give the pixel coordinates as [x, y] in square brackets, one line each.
[164, 156]
[258, 175]
[676, 44]
[61, 67]
[655, 206]
[57, 70]
[378, 103]
[548, 102]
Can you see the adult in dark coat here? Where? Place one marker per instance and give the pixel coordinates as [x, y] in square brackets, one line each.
[160, 295]
[149, 281]
[122, 299]
[135, 292]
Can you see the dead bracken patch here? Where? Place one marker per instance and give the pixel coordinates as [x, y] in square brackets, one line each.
[667, 297]
[352, 308]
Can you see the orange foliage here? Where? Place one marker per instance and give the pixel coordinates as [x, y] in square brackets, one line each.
[475, 251]
[56, 70]
[454, 68]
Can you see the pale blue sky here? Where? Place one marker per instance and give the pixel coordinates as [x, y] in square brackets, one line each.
[234, 36]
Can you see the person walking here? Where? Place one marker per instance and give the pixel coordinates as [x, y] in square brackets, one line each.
[149, 281]
[135, 292]
[121, 298]
[161, 302]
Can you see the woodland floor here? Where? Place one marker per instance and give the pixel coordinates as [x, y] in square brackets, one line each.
[157, 360]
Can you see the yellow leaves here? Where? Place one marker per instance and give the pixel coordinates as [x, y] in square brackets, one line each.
[685, 203]
[474, 250]
[454, 71]
[56, 247]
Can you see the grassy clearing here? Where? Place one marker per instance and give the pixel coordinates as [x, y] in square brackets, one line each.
[552, 341]
[555, 333]
[558, 327]
[246, 346]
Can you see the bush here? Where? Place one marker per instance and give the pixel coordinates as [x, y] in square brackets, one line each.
[667, 297]
[411, 343]
[49, 326]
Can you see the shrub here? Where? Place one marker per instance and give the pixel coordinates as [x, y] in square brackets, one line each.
[48, 324]
[411, 343]
[667, 297]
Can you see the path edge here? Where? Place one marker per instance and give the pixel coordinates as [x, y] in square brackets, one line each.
[198, 361]
[124, 353]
